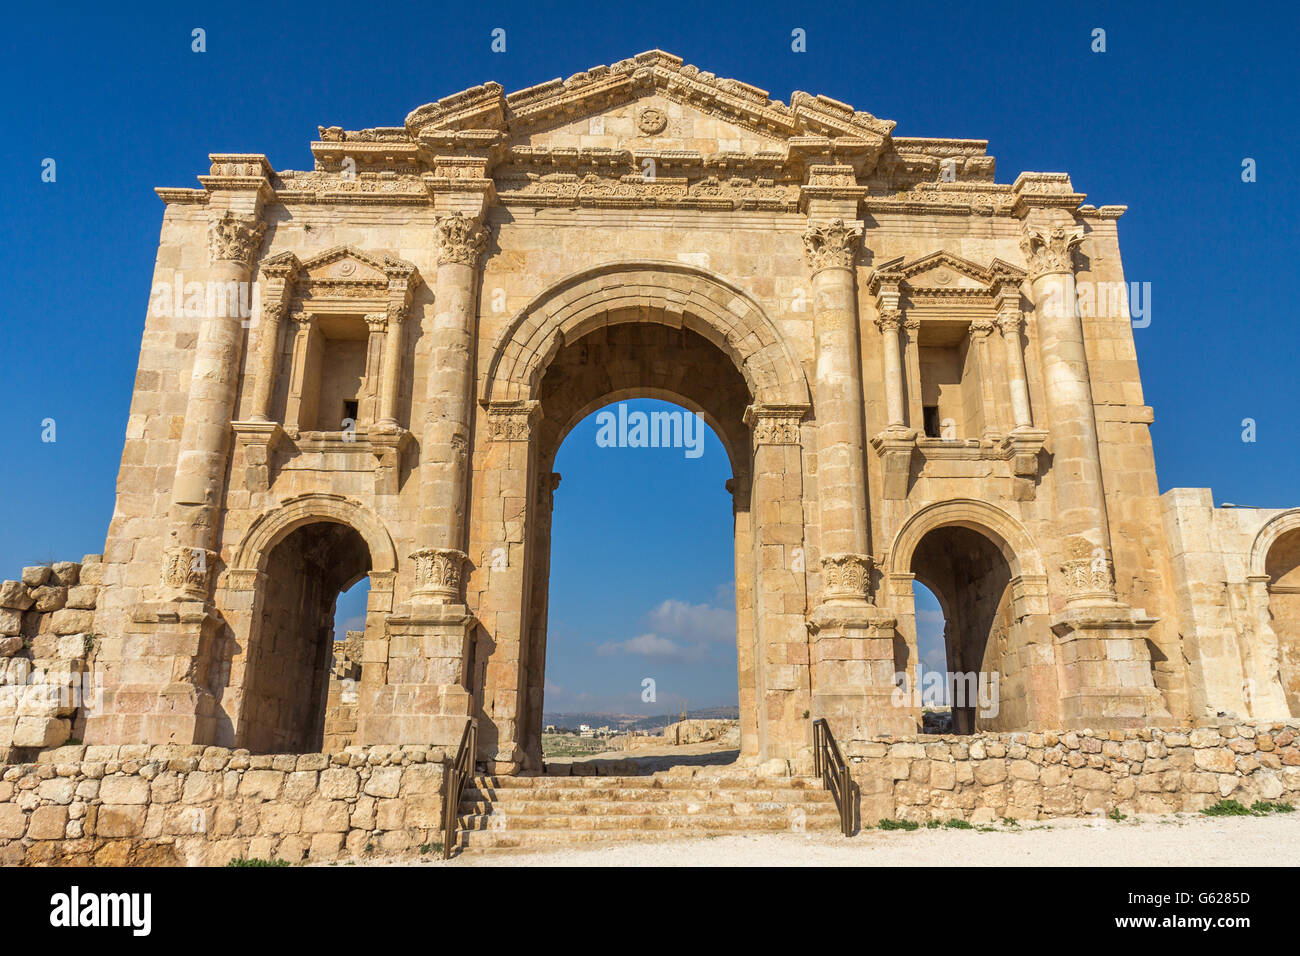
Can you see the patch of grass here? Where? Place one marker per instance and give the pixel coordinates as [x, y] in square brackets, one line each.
[899, 825]
[1234, 808]
[256, 861]
[955, 824]
[1010, 822]
[1116, 815]
[987, 829]
[1261, 807]
[934, 824]
[426, 848]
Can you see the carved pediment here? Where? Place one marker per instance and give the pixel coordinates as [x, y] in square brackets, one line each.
[355, 280]
[945, 273]
[345, 264]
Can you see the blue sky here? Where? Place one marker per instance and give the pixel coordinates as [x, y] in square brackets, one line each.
[1161, 122]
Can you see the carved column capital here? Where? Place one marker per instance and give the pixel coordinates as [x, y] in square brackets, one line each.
[1049, 250]
[439, 573]
[981, 328]
[461, 239]
[775, 424]
[512, 421]
[234, 238]
[1011, 321]
[1089, 574]
[889, 320]
[188, 571]
[377, 321]
[831, 244]
[846, 576]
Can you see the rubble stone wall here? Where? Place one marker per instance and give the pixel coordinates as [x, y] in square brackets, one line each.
[120, 805]
[47, 648]
[984, 777]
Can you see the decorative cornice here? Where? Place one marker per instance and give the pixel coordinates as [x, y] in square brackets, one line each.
[461, 239]
[234, 238]
[831, 245]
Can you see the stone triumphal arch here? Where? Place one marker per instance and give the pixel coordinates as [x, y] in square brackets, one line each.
[887, 340]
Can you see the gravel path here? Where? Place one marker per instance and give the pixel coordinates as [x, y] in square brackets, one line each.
[1177, 840]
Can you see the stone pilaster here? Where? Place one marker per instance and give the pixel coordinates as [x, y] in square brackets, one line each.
[780, 656]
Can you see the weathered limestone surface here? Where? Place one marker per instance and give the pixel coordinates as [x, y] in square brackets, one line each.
[919, 374]
[204, 806]
[1036, 775]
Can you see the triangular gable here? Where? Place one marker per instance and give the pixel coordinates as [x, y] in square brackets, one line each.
[345, 263]
[653, 73]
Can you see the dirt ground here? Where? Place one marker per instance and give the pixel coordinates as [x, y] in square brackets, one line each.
[1173, 840]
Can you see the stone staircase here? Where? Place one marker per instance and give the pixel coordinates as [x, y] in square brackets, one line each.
[535, 811]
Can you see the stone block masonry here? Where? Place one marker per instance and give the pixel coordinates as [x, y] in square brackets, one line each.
[204, 806]
[1033, 776]
[47, 651]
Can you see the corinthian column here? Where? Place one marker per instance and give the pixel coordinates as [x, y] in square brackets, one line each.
[1076, 468]
[831, 249]
[198, 488]
[444, 452]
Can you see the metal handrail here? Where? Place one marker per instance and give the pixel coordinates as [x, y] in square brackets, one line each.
[829, 764]
[454, 778]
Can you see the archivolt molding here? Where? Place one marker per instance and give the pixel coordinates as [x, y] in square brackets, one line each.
[668, 293]
[270, 528]
[1006, 533]
[1268, 535]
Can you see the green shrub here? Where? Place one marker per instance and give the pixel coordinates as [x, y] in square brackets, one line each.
[254, 861]
[899, 825]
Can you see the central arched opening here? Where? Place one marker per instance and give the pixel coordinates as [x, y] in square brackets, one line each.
[290, 672]
[641, 601]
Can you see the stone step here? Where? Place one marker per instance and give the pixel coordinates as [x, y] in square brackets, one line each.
[648, 795]
[707, 822]
[517, 839]
[740, 809]
[654, 782]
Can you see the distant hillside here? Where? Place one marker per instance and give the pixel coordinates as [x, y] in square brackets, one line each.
[636, 721]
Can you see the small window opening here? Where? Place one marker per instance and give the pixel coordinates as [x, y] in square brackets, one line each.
[932, 423]
[349, 414]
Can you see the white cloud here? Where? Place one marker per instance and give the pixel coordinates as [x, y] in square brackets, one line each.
[696, 623]
[645, 645]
